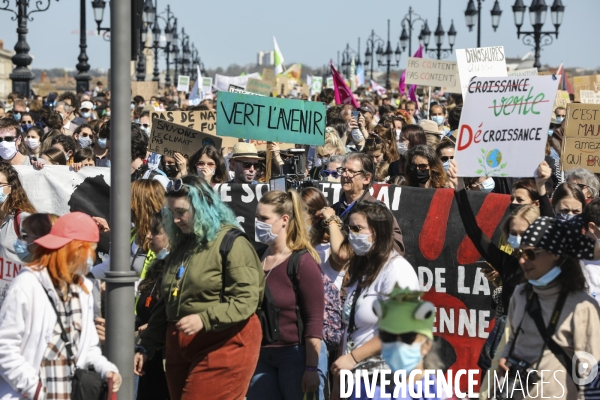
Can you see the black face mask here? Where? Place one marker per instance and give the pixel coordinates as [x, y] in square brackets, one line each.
[170, 170]
[513, 207]
[421, 176]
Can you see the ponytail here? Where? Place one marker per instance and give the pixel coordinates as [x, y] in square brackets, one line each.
[297, 231]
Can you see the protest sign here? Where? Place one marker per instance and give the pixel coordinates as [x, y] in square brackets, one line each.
[524, 72]
[258, 86]
[284, 86]
[168, 138]
[330, 82]
[207, 85]
[271, 119]
[589, 96]
[203, 121]
[504, 125]
[183, 83]
[268, 75]
[480, 62]
[562, 99]
[237, 89]
[587, 82]
[222, 82]
[427, 72]
[316, 85]
[581, 143]
[146, 89]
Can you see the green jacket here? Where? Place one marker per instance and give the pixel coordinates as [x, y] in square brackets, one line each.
[200, 288]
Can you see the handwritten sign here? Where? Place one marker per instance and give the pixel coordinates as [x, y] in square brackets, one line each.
[587, 82]
[480, 62]
[426, 72]
[268, 75]
[272, 119]
[524, 72]
[264, 88]
[589, 96]
[562, 99]
[183, 83]
[504, 125]
[168, 138]
[146, 89]
[581, 144]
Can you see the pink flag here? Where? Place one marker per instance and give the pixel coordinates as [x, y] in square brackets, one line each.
[343, 94]
[402, 85]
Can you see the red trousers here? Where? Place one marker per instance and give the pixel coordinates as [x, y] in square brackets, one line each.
[212, 365]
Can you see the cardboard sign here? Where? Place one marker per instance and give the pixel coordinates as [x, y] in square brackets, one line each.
[524, 72]
[167, 139]
[589, 96]
[271, 119]
[146, 89]
[587, 82]
[562, 99]
[183, 84]
[202, 121]
[426, 72]
[480, 62]
[268, 75]
[581, 153]
[258, 86]
[284, 86]
[504, 125]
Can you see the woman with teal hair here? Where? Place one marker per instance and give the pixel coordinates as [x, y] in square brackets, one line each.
[205, 317]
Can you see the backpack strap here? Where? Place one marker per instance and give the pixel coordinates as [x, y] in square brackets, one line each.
[224, 249]
[292, 272]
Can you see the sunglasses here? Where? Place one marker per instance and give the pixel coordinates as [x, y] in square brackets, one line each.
[174, 186]
[420, 167]
[408, 338]
[354, 228]
[144, 125]
[446, 158]
[8, 139]
[26, 122]
[247, 164]
[325, 173]
[528, 254]
[210, 164]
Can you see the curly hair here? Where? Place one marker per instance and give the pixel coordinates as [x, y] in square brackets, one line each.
[17, 199]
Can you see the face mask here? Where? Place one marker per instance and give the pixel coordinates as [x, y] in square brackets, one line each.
[21, 249]
[488, 185]
[560, 119]
[357, 136]
[8, 150]
[84, 141]
[132, 106]
[102, 142]
[171, 170]
[26, 127]
[209, 172]
[62, 116]
[146, 131]
[564, 217]
[550, 132]
[446, 165]
[401, 146]
[136, 121]
[161, 255]
[263, 233]
[438, 119]
[514, 241]
[32, 143]
[421, 176]
[545, 280]
[398, 132]
[107, 114]
[17, 116]
[514, 207]
[360, 243]
[85, 115]
[402, 356]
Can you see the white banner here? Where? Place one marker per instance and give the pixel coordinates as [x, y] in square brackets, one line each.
[504, 125]
[482, 61]
[427, 72]
[589, 97]
[222, 82]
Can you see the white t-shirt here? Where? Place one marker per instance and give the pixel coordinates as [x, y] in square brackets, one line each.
[10, 264]
[337, 277]
[591, 271]
[397, 270]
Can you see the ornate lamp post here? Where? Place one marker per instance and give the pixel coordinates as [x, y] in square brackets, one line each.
[388, 58]
[347, 59]
[439, 34]
[98, 7]
[471, 12]
[406, 36]
[372, 41]
[82, 78]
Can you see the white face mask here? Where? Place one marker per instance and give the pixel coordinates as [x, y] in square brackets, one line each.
[360, 243]
[32, 143]
[401, 146]
[263, 232]
[84, 141]
[357, 136]
[8, 150]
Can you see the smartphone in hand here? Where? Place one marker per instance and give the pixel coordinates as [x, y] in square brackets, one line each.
[356, 115]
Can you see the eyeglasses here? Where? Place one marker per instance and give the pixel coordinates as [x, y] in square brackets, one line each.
[446, 158]
[420, 167]
[4, 184]
[247, 164]
[325, 173]
[528, 254]
[8, 139]
[209, 164]
[174, 186]
[350, 173]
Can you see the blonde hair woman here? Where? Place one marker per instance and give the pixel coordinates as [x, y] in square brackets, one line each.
[333, 146]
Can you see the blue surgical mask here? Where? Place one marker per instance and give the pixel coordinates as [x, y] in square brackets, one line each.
[136, 121]
[89, 263]
[146, 130]
[550, 132]
[548, 277]
[360, 243]
[263, 232]
[488, 185]
[401, 356]
[3, 196]
[514, 241]
[564, 216]
[560, 119]
[86, 115]
[102, 142]
[446, 165]
[438, 119]
[161, 255]
[26, 127]
[21, 249]
[84, 141]
[17, 116]
[132, 106]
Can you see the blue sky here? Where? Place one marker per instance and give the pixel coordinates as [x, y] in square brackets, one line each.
[311, 31]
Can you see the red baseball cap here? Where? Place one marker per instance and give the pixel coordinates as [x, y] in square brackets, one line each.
[69, 227]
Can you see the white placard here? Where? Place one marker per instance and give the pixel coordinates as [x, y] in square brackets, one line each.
[524, 72]
[222, 82]
[183, 84]
[589, 97]
[504, 125]
[480, 62]
[207, 82]
[428, 72]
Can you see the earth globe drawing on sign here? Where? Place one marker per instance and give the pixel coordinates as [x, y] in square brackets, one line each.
[493, 158]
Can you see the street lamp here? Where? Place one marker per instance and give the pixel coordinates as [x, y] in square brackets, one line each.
[98, 6]
[439, 34]
[347, 59]
[186, 54]
[22, 76]
[372, 41]
[537, 17]
[388, 58]
[169, 36]
[406, 36]
[471, 12]
[82, 78]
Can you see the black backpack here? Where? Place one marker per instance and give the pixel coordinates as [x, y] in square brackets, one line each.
[267, 312]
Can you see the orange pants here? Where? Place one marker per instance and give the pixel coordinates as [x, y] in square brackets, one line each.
[212, 365]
